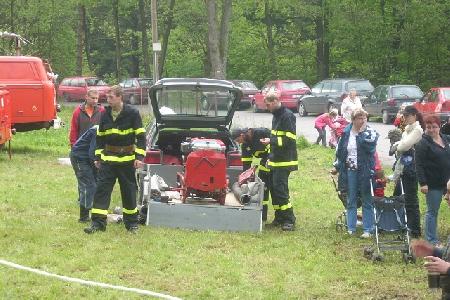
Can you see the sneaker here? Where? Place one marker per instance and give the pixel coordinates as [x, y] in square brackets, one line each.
[94, 228]
[366, 235]
[132, 229]
[288, 227]
[349, 232]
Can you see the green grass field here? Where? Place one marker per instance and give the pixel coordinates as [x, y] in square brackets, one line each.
[39, 229]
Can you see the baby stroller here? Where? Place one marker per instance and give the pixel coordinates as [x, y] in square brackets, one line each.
[336, 133]
[391, 229]
[341, 219]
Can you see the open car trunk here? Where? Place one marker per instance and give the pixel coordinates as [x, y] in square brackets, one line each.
[189, 148]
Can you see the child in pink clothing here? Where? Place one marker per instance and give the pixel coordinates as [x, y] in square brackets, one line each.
[321, 122]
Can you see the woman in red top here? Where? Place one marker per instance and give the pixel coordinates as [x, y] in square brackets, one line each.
[321, 122]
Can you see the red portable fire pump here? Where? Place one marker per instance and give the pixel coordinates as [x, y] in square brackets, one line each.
[205, 174]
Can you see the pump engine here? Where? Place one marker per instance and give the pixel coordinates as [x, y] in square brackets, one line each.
[205, 174]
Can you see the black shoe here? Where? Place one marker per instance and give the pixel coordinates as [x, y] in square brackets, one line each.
[132, 229]
[94, 228]
[84, 215]
[275, 223]
[288, 227]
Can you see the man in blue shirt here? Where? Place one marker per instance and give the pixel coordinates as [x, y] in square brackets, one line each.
[82, 157]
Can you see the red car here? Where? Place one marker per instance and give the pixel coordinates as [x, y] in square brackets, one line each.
[289, 92]
[135, 90]
[75, 88]
[436, 101]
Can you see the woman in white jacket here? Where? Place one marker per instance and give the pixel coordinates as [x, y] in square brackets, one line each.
[349, 104]
[405, 167]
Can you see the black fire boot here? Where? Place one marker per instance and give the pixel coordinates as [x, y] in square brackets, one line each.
[84, 215]
[94, 228]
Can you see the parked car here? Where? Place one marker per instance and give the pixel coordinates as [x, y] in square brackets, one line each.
[386, 100]
[435, 101]
[180, 117]
[329, 93]
[32, 93]
[289, 92]
[135, 90]
[249, 90]
[75, 88]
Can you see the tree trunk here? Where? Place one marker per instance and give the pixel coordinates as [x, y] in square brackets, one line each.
[270, 43]
[87, 40]
[80, 39]
[115, 13]
[224, 34]
[143, 23]
[218, 41]
[322, 44]
[134, 72]
[166, 35]
[213, 41]
[11, 15]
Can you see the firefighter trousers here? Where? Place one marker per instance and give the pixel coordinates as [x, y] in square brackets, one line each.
[108, 173]
[279, 192]
[265, 177]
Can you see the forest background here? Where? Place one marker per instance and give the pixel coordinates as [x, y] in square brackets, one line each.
[387, 42]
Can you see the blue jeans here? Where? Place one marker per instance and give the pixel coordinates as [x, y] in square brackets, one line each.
[355, 185]
[86, 174]
[434, 198]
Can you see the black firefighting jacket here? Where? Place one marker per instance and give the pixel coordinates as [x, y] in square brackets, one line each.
[255, 149]
[121, 140]
[283, 145]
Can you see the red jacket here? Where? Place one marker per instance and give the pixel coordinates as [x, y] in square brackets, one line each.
[323, 120]
[81, 121]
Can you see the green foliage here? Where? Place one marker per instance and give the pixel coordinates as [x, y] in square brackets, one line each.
[385, 41]
[302, 143]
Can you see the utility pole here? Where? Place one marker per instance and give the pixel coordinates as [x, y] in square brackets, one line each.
[156, 44]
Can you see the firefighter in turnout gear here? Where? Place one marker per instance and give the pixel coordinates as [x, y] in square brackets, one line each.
[252, 148]
[120, 149]
[282, 161]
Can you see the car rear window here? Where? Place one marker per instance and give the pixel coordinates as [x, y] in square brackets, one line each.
[17, 71]
[294, 85]
[246, 85]
[95, 82]
[360, 86]
[205, 101]
[446, 94]
[406, 92]
[145, 82]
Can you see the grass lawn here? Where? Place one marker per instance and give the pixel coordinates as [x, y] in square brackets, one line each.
[39, 229]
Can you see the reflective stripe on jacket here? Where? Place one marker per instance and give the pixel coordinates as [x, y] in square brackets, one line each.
[125, 131]
[283, 140]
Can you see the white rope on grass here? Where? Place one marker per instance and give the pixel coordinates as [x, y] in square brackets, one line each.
[88, 282]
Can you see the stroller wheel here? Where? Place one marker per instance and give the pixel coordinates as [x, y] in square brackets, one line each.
[376, 257]
[368, 252]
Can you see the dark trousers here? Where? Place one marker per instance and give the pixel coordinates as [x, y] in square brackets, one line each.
[86, 174]
[279, 191]
[322, 136]
[125, 174]
[411, 201]
[265, 177]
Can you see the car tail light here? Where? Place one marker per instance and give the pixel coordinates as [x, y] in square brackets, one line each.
[152, 157]
[391, 102]
[234, 159]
